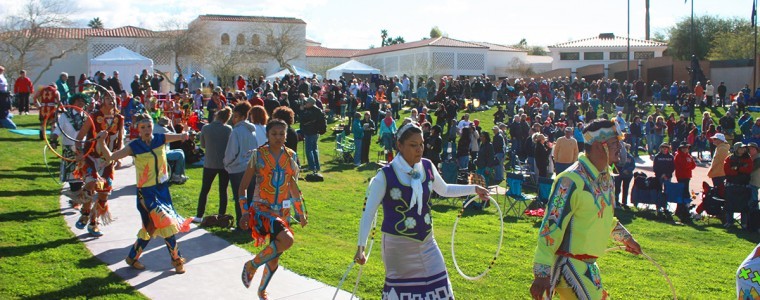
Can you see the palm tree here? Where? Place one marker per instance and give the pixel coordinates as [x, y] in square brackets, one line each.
[95, 23]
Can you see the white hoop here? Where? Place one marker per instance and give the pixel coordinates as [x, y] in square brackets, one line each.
[659, 267]
[498, 248]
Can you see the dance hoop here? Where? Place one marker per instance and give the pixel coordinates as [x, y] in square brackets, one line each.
[659, 267]
[47, 142]
[361, 267]
[47, 166]
[498, 248]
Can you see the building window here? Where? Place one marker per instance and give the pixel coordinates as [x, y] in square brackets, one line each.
[270, 40]
[240, 40]
[569, 56]
[618, 55]
[643, 54]
[593, 55]
[255, 40]
[225, 39]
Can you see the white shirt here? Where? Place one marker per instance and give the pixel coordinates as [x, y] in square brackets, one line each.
[463, 124]
[377, 187]
[3, 83]
[261, 134]
[64, 124]
[520, 101]
[710, 91]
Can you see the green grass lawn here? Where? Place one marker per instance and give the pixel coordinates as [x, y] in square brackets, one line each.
[40, 258]
[701, 260]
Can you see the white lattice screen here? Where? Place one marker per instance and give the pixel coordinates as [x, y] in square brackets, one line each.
[421, 60]
[99, 49]
[155, 53]
[470, 61]
[391, 64]
[407, 62]
[443, 60]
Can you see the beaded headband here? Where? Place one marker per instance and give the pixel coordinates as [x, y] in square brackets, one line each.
[404, 128]
[602, 134]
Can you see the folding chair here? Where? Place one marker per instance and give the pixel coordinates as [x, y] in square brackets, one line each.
[478, 179]
[449, 174]
[544, 189]
[338, 152]
[514, 192]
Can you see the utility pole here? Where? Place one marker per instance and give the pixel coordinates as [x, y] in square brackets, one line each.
[628, 52]
[754, 58]
[693, 40]
[646, 10]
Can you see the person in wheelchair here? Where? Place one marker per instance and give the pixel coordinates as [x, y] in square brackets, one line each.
[738, 167]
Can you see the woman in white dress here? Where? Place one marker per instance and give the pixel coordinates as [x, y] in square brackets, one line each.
[414, 266]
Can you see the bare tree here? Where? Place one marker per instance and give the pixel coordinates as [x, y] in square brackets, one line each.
[185, 42]
[226, 63]
[26, 40]
[281, 44]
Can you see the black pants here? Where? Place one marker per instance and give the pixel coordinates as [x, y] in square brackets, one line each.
[235, 180]
[208, 179]
[626, 183]
[23, 102]
[366, 140]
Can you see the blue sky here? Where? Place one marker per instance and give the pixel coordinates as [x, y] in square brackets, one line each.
[357, 24]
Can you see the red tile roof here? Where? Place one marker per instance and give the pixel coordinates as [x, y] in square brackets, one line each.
[81, 33]
[437, 42]
[608, 40]
[319, 51]
[230, 18]
[497, 47]
[126, 31]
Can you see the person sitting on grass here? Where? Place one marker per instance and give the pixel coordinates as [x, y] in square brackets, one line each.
[176, 157]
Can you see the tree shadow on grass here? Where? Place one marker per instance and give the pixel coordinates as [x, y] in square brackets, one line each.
[338, 167]
[41, 169]
[110, 286]
[14, 251]
[19, 139]
[27, 215]
[28, 193]
[27, 176]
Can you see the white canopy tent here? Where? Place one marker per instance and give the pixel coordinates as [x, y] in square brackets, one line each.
[299, 71]
[351, 66]
[127, 62]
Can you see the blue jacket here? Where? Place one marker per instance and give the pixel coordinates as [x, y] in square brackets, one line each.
[357, 129]
[626, 170]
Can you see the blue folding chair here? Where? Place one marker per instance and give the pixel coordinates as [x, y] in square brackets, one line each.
[674, 193]
[514, 195]
[544, 189]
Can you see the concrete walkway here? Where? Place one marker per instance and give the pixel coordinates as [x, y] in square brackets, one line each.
[213, 265]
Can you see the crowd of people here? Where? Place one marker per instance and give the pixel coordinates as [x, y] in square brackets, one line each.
[552, 128]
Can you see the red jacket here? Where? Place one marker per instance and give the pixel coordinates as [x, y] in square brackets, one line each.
[23, 86]
[684, 164]
[744, 165]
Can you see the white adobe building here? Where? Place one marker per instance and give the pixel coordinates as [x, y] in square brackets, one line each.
[230, 31]
[437, 56]
[606, 48]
